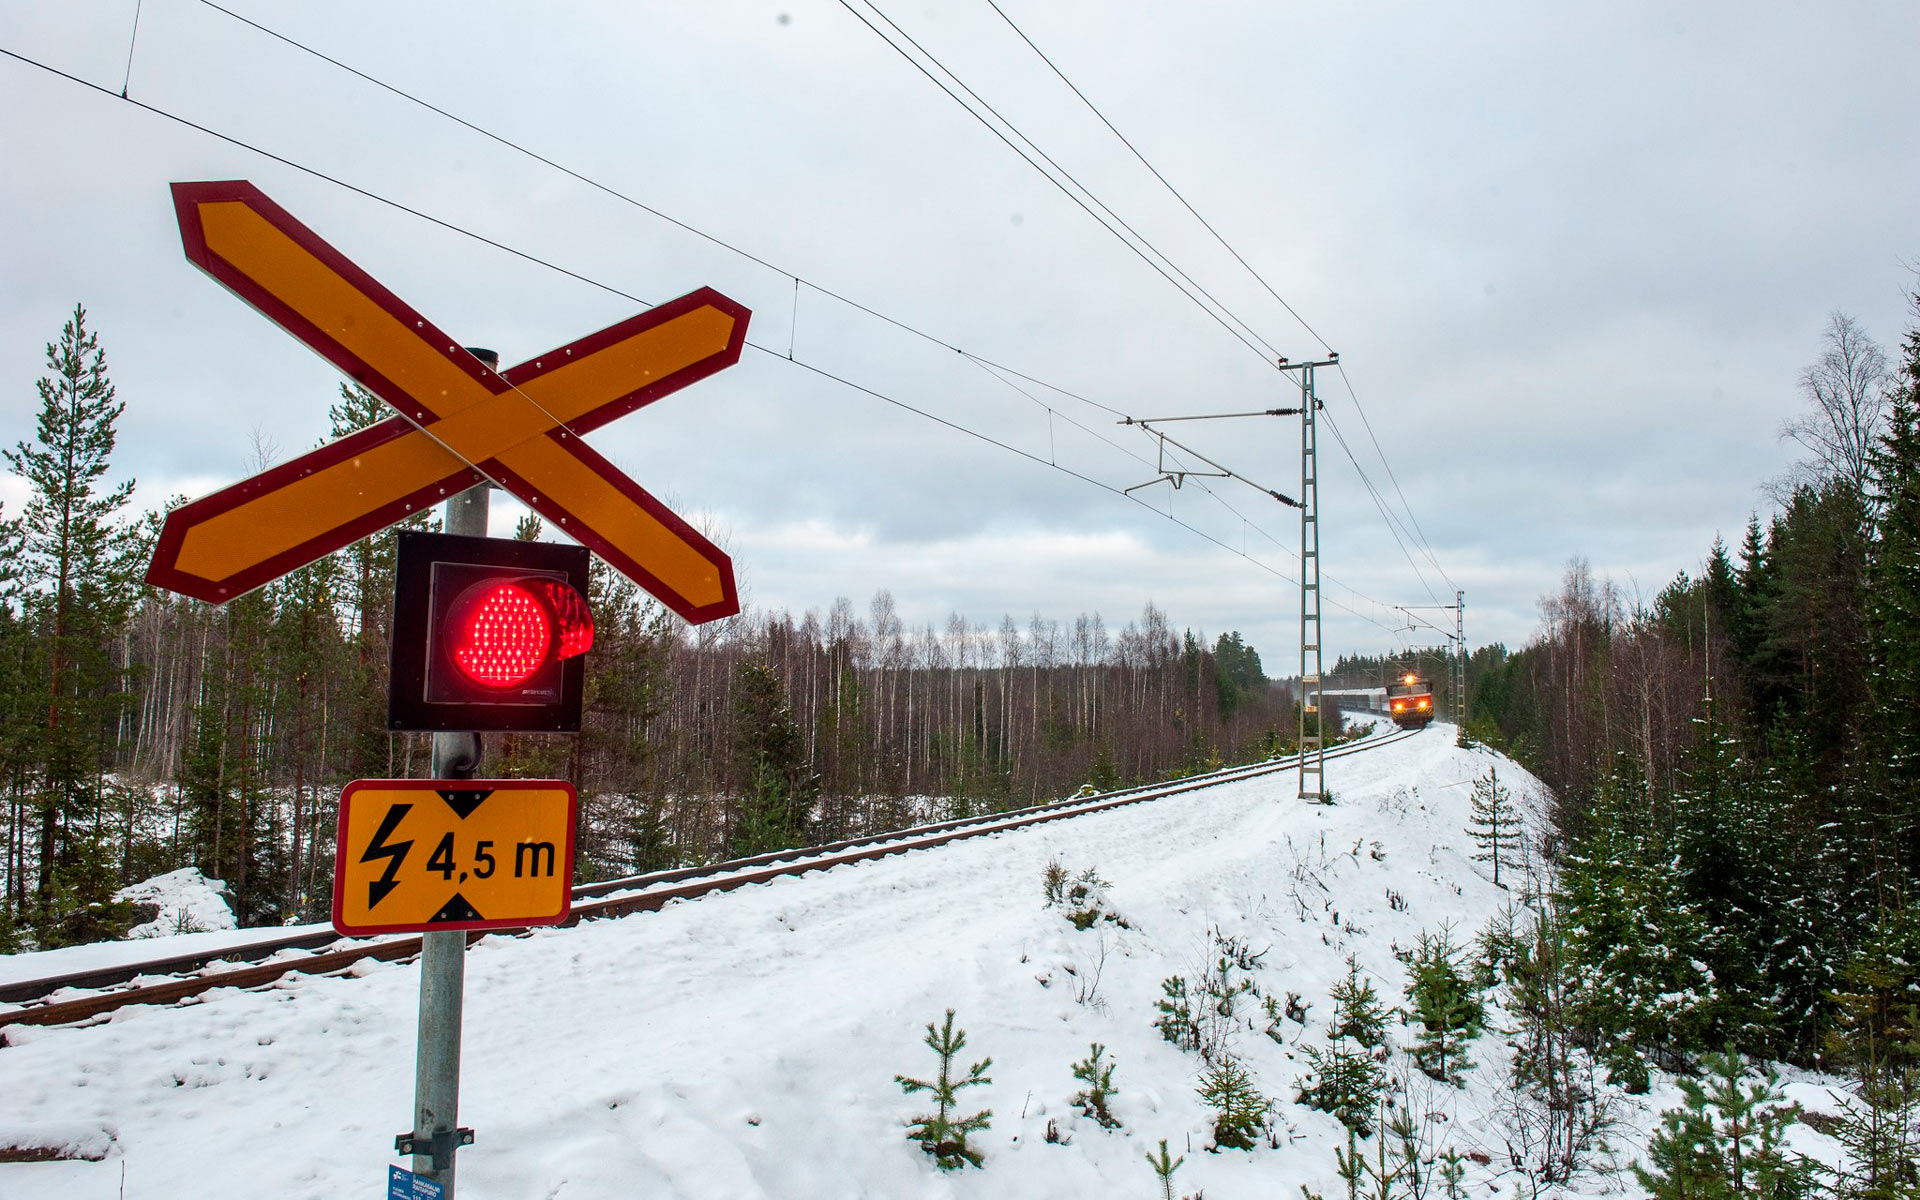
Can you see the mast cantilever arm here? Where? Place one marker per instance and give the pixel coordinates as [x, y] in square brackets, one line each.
[1177, 477]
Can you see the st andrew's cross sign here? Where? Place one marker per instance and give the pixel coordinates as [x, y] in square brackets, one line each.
[459, 422]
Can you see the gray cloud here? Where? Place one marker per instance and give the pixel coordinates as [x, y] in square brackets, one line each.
[1573, 257]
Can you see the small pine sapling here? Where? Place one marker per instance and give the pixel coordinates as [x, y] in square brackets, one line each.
[1239, 1110]
[1453, 1173]
[1726, 1140]
[1175, 1022]
[939, 1134]
[1164, 1165]
[1098, 1076]
[1053, 878]
[1445, 1003]
[1344, 1078]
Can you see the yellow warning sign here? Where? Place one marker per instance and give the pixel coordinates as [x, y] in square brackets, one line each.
[424, 855]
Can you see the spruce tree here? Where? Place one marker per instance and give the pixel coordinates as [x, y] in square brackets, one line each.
[1717, 838]
[79, 561]
[1344, 1079]
[1445, 1004]
[1876, 1040]
[939, 1133]
[1239, 1110]
[1627, 945]
[1098, 1076]
[777, 786]
[1725, 1142]
[1493, 824]
[1893, 623]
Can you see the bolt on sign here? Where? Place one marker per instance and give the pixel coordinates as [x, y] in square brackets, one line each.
[459, 422]
[431, 855]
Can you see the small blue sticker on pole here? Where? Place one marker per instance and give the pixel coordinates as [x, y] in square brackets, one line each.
[403, 1184]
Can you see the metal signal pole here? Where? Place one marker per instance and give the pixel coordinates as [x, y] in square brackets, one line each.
[437, 1135]
[1313, 742]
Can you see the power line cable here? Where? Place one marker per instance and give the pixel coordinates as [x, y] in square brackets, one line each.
[1412, 515]
[1266, 352]
[605, 189]
[722, 243]
[1162, 178]
[634, 202]
[1425, 545]
[609, 288]
[1374, 493]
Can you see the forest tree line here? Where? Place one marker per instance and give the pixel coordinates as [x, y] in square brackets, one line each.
[1734, 765]
[143, 732]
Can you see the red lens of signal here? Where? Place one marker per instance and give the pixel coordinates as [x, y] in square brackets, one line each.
[506, 630]
[504, 636]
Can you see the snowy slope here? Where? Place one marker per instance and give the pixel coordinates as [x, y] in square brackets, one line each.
[745, 1045]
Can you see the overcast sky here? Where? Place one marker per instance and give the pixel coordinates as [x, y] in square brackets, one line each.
[1573, 257]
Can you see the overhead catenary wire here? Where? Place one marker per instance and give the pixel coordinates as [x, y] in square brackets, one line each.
[720, 242]
[1225, 317]
[1412, 515]
[605, 189]
[1420, 537]
[1165, 182]
[636, 203]
[455, 228]
[1374, 494]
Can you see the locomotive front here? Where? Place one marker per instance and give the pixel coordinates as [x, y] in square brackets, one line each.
[1410, 702]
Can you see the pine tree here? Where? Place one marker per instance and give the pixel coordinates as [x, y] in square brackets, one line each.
[1725, 1142]
[1164, 1165]
[1344, 1079]
[79, 562]
[777, 786]
[938, 1133]
[1092, 1099]
[1239, 1110]
[1446, 1005]
[1877, 1040]
[1493, 824]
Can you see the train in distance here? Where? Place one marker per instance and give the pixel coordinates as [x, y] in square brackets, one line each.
[1410, 702]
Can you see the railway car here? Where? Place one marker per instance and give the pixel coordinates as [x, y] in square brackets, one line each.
[1410, 702]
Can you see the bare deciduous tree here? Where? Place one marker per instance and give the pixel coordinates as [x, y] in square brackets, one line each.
[1846, 388]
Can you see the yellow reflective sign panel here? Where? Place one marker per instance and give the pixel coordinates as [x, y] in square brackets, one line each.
[426, 855]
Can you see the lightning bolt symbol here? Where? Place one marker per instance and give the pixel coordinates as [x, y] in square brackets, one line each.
[395, 854]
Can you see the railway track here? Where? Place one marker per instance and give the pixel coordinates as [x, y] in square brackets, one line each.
[320, 952]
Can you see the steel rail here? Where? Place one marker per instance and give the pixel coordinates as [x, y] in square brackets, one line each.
[316, 939]
[603, 899]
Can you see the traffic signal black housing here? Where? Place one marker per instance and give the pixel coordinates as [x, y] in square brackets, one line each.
[488, 635]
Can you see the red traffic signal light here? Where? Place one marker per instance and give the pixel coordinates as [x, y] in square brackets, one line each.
[502, 631]
[488, 634]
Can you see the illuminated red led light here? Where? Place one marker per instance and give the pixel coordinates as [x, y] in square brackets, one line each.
[505, 631]
[506, 636]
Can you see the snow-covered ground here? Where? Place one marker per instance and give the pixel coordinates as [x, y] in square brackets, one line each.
[745, 1045]
[188, 901]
